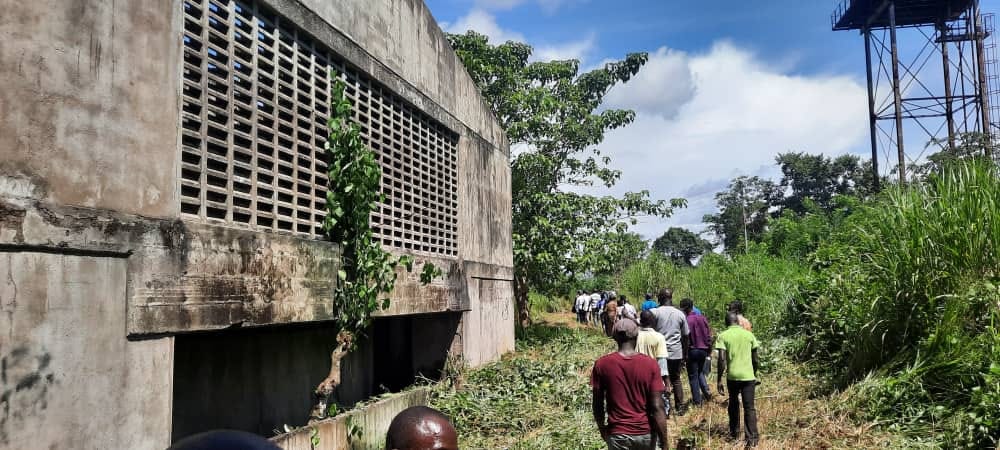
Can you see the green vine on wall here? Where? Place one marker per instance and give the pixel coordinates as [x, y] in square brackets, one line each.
[369, 272]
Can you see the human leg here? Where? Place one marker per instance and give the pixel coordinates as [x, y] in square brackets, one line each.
[696, 358]
[674, 365]
[705, 371]
[630, 442]
[748, 392]
[734, 408]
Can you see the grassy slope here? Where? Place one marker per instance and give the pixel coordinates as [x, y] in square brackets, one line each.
[539, 398]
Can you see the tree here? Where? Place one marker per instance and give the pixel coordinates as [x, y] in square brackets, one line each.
[681, 246]
[744, 209]
[551, 110]
[965, 146]
[819, 179]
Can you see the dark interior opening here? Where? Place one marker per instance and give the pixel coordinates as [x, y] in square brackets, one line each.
[259, 379]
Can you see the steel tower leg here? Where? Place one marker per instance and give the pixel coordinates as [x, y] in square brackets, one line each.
[896, 94]
[982, 88]
[872, 118]
[949, 111]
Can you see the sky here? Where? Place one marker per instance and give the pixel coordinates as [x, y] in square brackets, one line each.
[729, 84]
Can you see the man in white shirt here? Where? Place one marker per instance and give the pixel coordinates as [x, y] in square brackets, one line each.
[582, 306]
[595, 301]
[628, 310]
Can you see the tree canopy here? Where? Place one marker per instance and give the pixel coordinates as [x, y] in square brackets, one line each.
[681, 246]
[552, 114]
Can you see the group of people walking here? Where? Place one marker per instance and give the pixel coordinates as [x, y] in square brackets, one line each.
[633, 386]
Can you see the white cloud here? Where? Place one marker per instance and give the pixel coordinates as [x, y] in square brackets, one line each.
[569, 50]
[735, 116]
[483, 22]
[663, 85]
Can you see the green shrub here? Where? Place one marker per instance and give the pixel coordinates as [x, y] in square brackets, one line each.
[903, 297]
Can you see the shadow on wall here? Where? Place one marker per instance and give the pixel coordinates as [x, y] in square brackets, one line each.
[258, 380]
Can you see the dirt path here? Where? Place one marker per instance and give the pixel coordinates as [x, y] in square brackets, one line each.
[553, 411]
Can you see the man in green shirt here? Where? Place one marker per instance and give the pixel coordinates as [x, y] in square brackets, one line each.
[738, 357]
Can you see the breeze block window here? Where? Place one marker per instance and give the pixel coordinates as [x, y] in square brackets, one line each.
[255, 104]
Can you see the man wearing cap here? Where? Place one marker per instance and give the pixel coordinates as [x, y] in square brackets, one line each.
[628, 406]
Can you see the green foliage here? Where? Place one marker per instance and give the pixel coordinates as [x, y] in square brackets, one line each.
[429, 273]
[536, 398]
[817, 180]
[744, 209]
[543, 304]
[764, 283]
[369, 272]
[681, 246]
[552, 112]
[796, 236]
[904, 297]
[314, 440]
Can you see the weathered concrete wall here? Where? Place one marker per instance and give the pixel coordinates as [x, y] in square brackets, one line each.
[401, 37]
[89, 104]
[488, 329]
[93, 252]
[70, 378]
[372, 422]
[185, 276]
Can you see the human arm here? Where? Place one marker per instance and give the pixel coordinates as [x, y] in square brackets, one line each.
[664, 373]
[598, 406]
[720, 369]
[657, 416]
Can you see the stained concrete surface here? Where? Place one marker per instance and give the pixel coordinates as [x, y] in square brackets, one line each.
[70, 380]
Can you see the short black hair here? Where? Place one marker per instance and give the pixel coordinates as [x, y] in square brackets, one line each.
[732, 318]
[687, 304]
[736, 306]
[666, 295]
[646, 318]
[407, 421]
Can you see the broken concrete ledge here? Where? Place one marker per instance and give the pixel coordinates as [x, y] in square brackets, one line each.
[360, 429]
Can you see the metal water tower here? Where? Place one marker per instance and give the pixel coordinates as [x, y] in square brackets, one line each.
[945, 89]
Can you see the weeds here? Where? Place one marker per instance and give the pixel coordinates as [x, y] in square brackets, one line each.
[539, 398]
[903, 300]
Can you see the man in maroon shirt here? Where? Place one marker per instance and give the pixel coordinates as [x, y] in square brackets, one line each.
[701, 346]
[627, 385]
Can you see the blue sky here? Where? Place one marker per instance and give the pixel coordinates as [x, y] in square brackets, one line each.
[730, 83]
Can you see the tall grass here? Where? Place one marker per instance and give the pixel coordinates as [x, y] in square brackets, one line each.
[764, 283]
[904, 298]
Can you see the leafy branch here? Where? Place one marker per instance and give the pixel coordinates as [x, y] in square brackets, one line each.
[368, 272]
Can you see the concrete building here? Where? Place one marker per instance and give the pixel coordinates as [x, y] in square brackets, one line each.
[162, 269]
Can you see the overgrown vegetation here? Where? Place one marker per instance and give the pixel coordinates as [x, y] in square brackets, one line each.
[764, 283]
[904, 298]
[539, 398]
[368, 271]
[552, 113]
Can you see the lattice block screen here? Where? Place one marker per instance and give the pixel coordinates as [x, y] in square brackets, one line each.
[255, 104]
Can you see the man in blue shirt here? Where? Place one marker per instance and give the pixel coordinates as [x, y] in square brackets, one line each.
[649, 303]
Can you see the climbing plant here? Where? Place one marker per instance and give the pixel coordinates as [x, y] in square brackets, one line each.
[368, 272]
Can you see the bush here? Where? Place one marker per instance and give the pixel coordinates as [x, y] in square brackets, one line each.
[904, 297]
[764, 283]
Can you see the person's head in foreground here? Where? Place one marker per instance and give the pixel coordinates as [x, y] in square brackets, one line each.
[224, 440]
[421, 428]
[624, 331]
